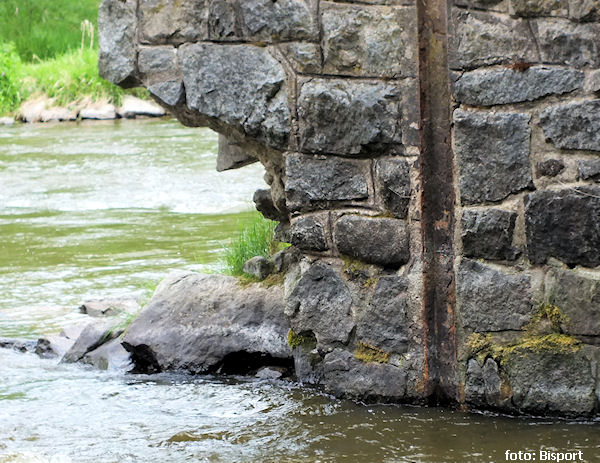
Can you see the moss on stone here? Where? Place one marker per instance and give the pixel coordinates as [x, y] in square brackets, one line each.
[295, 340]
[548, 317]
[353, 266]
[371, 354]
[275, 279]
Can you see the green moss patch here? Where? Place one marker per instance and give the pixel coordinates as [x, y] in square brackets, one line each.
[371, 354]
[305, 340]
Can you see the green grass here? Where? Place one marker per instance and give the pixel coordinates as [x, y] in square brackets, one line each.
[255, 238]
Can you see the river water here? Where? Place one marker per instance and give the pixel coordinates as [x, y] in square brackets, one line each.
[106, 209]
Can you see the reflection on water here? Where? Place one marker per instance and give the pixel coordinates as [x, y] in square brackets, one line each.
[106, 209]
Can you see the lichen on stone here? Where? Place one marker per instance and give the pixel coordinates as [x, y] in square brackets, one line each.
[547, 318]
[306, 340]
[370, 354]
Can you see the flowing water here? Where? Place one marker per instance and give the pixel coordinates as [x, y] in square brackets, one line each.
[106, 209]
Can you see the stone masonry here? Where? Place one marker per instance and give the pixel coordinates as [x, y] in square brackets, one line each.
[437, 165]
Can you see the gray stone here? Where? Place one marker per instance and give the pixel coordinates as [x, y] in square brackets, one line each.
[483, 387]
[240, 85]
[109, 307]
[380, 241]
[19, 345]
[304, 56]
[564, 42]
[564, 224]
[349, 117]
[109, 356]
[264, 204]
[321, 302]
[56, 114]
[574, 125]
[308, 233]
[269, 373]
[393, 181]
[312, 181]
[117, 56]
[154, 60]
[133, 107]
[232, 156]
[92, 336]
[282, 232]
[592, 82]
[488, 234]
[165, 21]
[502, 86]
[369, 42]
[194, 322]
[169, 92]
[259, 267]
[578, 297]
[284, 259]
[384, 323]
[99, 111]
[535, 8]
[493, 155]
[492, 5]
[53, 346]
[31, 110]
[550, 167]
[584, 10]
[589, 169]
[492, 300]
[480, 39]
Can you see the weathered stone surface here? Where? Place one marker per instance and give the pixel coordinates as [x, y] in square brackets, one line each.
[483, 386]
[312, 180]
[564, 42]
[232, 156]
[58, 114]
[92, 336]
[493, 155]
[259, 267]
[479, 39]
[578, 297]
[117, 26]
[18, 344]
[99, 111]
[153, 60]
[58, 345]
[345, 375]
[592, 81]
[584, 10]
[574, 125]
[169, 92]
[308, 233]
[380, 241]
[564, 224]
[491, 300]
[264, 204]
[321, 302]
[349, 117]
[133, 107]
[488, 234]
[193, 322]
[284, 259]
[393, 181]
[304, 56]
[369, 42]
[589, 170]
[239, 85]
[7, 120]
[550, 382]
[384, 324]
[164, 21]
[502, 86]
[535, 8]
[492, 5]
[109, 356]
[550, 167]
[109, 307]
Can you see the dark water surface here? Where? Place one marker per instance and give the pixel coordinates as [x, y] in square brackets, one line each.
[106, 209]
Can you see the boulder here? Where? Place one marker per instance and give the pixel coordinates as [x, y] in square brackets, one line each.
[20, 345]
[7, 120]
[206, 323]
[56, 114]
[58, 345]
[109, 356]
[133, 107]
[31, 110]
[109, 307]
[263, 200]
[99, 111]
[259, 267]
[92, 336]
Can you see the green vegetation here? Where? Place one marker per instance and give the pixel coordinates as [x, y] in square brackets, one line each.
[254, 239]
[10, 94]
[368, 353]
[548, 317]
[307, 341]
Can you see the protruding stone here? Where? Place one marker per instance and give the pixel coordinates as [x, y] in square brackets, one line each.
[491, 5]
[308, 233]
[349, 117]
[232, 156]
[536, 8]
[165, 21]
[7, 120]
[488, 234]
[380, 241]
[259, 267]
[264, 204]
[312, 181]
[393, 180]
[491, 300]
[169, 92]
[109, 356]
[550, 167]
[503, 86]
[284, 259]
[565, 42]
[483, 386]
[493, 155]
[564, 224]
[573, 125]
[93, 336]
[589, 169]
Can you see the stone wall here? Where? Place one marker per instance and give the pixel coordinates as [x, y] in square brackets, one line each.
[430, 271]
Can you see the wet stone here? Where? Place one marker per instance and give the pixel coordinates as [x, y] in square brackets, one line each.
[488, 234]
[573, 125]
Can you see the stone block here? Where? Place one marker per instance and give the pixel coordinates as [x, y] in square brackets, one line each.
[170, 92]
[164, 21]
[502, 86]
[240, 85]
[491, 5]
[550, 167]
[589, 169]
[259, 267]
[535, 8]
[304, 56]
[480, 39]
[564, 224]
[311, 181]
[492, 300]
[263, 200]
[483, 386]
[493, 155]
[564, 42]
[392, 176]
[488, 234]
[574, 125]
[349, 117]
[374, 240]
[363, 41]
[309, 233]
[584, 10]
[232, 156]
[154, 60]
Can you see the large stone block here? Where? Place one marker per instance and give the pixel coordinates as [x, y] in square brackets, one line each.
[503, 86]
[308, 233]
[117, 25]
[493, 155]
[312, 181]
[164, 21]
[564, 224]
[488, 234]
[349, 117]
[535, 8]
[239, 85]
[578, 297]
[589, 169]
[369, 41]
[574, 125]
[565, 42]
[492, 300]
[480, 39]
[374, 240]
[321, 303]
[393, 180]
[155, 60]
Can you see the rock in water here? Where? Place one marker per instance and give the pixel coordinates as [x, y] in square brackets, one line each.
[209, 323]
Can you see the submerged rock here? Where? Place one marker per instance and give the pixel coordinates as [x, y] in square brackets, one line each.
[17, 344]
[109, 307]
